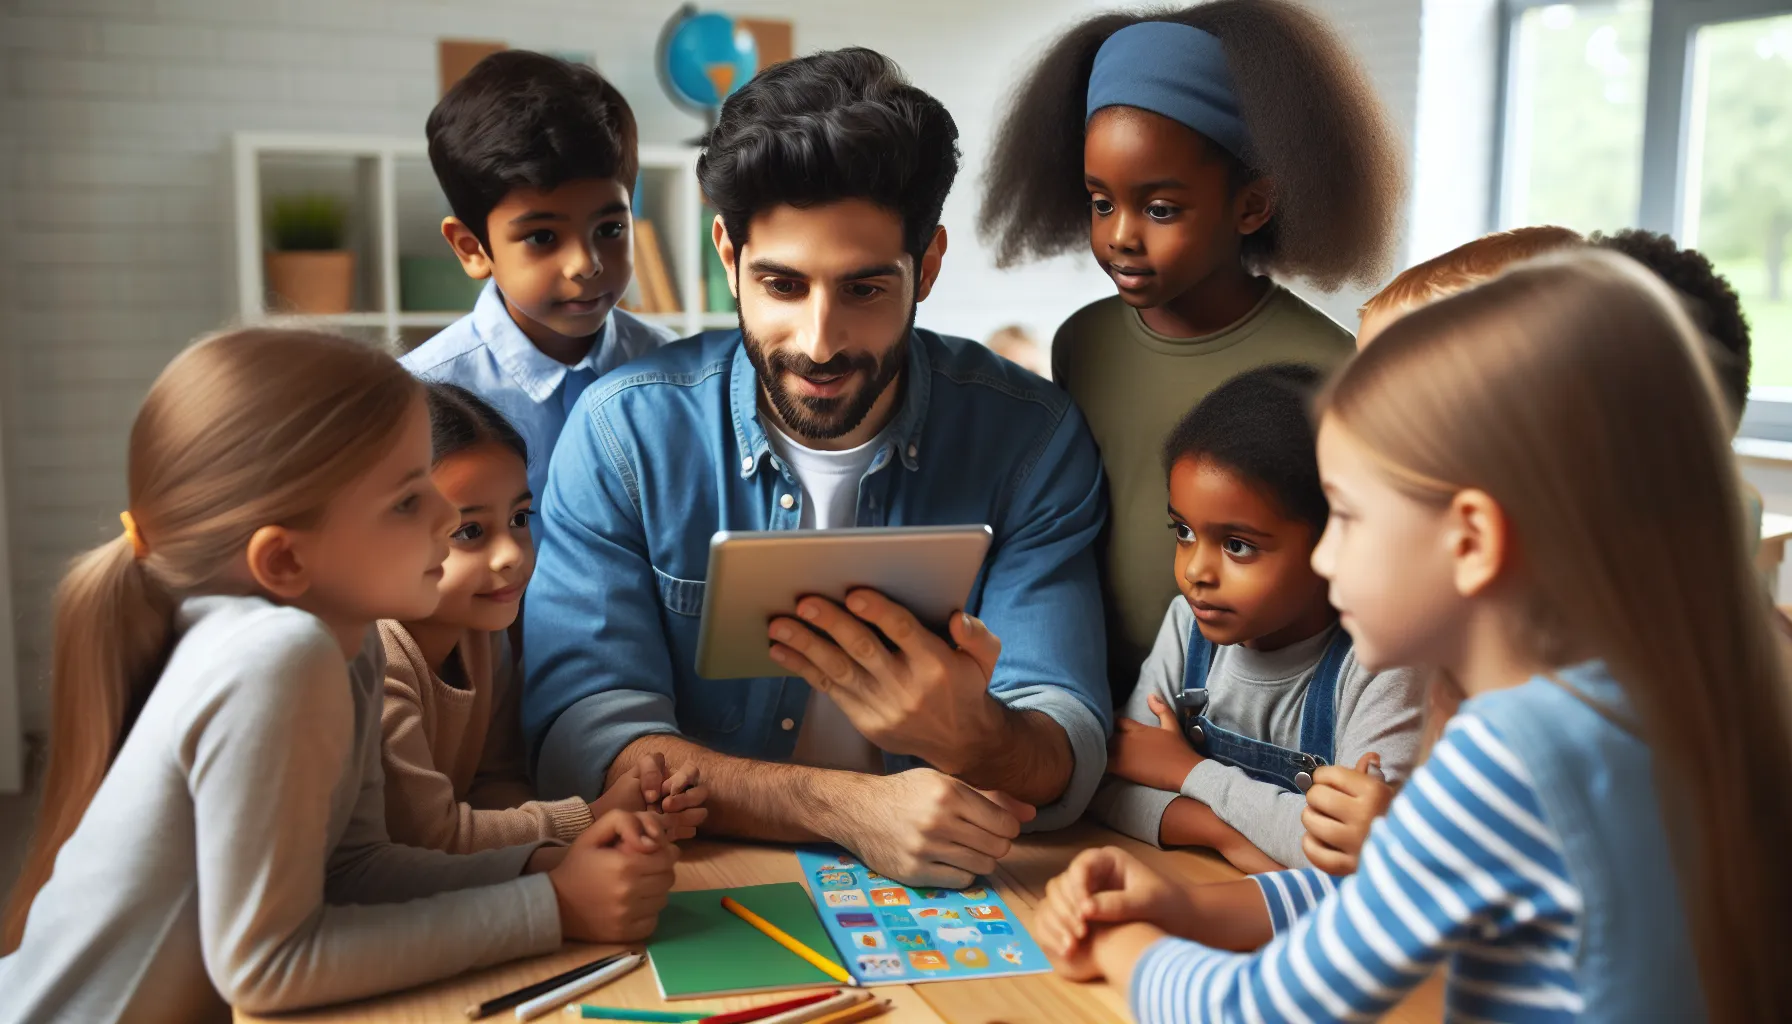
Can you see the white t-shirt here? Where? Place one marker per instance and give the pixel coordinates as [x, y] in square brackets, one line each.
[830, 485]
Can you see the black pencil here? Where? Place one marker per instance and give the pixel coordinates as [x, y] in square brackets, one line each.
[523, 995]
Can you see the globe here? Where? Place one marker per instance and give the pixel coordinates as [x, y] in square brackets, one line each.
[705, 56]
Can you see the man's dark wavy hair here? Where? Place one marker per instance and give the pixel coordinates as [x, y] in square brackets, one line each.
[843, 124]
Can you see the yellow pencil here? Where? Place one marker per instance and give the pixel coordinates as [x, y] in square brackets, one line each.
[778, 935]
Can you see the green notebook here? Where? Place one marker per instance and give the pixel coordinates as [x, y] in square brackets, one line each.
[700, 949]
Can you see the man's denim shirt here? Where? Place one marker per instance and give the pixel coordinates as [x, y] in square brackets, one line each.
[664, 452]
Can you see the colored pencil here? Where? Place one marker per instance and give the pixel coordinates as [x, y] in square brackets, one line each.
[852, 1014]
[757, 1013]
[528, 992]
[783, 938]
[588, 1012]
[816, 1011]
[578, 987]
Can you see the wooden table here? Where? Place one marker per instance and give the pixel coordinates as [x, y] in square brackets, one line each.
[1020, 879]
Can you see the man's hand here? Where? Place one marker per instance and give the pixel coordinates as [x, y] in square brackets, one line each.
[924, 698]
[1152, 755]
[1341, 805]
[926, 829]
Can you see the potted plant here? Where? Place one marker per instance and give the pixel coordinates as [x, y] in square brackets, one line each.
[308, 270]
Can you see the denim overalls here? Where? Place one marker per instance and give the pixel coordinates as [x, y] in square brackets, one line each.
[1266, 762]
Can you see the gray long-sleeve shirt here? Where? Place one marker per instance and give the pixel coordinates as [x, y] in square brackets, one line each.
[1260, 694]
[238, 848]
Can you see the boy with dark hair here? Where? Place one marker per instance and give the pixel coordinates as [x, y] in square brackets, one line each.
[1708, 298]
[828, 408]
[1252, 685]
[537, 157]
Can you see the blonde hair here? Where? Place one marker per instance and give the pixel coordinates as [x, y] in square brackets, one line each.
[1575, 392]
[242, 430]
[1465, 266]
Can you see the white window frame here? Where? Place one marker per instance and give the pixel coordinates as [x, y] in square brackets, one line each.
[1667, 133]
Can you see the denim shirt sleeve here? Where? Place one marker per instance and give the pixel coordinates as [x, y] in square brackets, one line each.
[1042, 597]
[597, 672]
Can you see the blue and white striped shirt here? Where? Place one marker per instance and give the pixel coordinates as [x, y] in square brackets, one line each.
[1463, 866]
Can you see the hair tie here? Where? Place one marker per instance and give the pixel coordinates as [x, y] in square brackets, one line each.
[139, 550]
[1175, 70]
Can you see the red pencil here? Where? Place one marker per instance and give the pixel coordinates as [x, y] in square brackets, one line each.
[761, 1012]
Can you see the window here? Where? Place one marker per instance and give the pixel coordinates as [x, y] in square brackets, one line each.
[1738, 190]
[1575, 115]
[1670, 115]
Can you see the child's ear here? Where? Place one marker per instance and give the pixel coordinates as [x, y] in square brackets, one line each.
[1479, 539]
[276, 565]
[718, 235]
[929, 270]
[1253, 206]
[467, 248]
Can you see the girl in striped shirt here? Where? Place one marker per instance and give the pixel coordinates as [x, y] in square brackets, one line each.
[1544, 459]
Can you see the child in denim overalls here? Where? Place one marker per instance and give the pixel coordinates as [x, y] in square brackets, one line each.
[1252, 685]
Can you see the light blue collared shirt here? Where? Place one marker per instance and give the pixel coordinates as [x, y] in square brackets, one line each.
[489, 355]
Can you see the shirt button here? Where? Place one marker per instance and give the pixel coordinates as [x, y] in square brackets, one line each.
[786, 502]
[787, 725]
[746, 464]
[914, 450]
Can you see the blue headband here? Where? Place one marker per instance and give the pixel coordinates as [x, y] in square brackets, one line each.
[1174, 70]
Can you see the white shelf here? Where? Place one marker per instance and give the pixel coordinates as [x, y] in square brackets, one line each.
[678, 206]
[682, 321]
[436, 320]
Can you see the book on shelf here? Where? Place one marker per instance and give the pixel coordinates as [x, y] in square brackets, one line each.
[653, 272]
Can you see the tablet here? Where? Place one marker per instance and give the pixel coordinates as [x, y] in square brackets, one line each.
[755, 576]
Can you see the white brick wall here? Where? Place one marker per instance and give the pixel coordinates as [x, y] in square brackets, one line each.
[114, 115]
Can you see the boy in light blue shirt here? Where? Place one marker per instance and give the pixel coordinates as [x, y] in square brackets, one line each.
[537, 157]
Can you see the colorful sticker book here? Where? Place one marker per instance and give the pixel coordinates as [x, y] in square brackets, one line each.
[890, 933]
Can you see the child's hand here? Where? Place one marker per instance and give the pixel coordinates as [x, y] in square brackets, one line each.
[613, 880]
[630, 791]
[681, 806]
[1341, 805]
[676, 802]
[1111, 886]
[1152, 755]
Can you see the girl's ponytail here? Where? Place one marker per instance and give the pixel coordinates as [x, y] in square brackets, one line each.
[113, 627]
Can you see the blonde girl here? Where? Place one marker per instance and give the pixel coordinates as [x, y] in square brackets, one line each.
[1597, 834]
[213, 829]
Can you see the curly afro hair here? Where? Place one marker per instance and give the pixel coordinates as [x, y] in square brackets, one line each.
[1318, 133]
[1709, 299]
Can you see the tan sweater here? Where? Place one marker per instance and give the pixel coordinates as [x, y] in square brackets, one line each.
[454, 757]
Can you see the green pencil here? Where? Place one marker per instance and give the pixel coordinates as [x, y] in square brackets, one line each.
[624, 1013]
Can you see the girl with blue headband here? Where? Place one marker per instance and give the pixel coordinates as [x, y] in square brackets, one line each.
[1202, 154]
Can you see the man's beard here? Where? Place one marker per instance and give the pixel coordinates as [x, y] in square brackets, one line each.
[824, 419]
